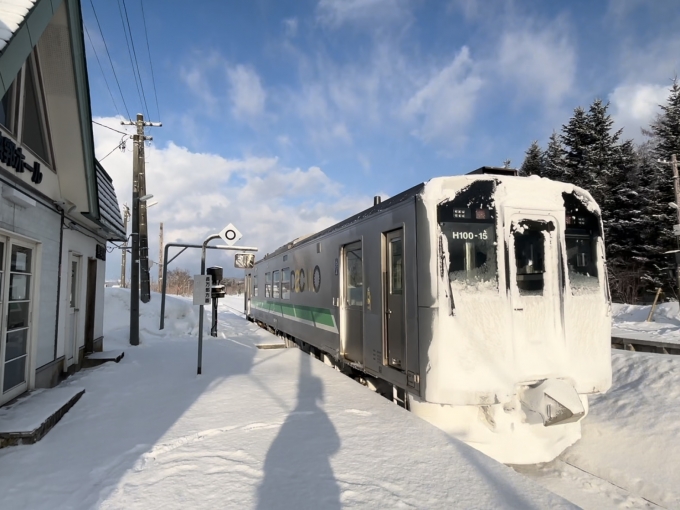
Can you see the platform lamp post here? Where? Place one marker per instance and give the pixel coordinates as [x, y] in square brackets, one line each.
[134, 269]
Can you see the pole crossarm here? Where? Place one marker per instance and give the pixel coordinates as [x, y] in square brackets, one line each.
[184, 246]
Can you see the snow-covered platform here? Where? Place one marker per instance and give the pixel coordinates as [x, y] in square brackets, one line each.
[260, 428]
[644, 342]
[31, 417]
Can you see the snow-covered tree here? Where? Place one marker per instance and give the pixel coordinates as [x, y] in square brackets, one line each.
[533, 162]
[553, 159]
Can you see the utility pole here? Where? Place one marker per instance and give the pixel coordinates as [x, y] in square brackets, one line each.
[138, 185]
[123, 262]
[676, 185]
[160, 259]
[676, 227]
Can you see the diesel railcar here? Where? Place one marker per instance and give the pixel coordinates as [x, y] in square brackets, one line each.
[480, 301]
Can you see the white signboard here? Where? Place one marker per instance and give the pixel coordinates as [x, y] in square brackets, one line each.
[676, 230]
[202, 285]
[244, 260]
[230, 235]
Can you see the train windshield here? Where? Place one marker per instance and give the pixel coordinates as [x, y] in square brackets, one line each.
[582, 231]
[469, 224]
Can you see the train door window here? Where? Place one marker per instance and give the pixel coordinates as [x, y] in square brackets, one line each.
[354, 282]
[397, 266]
[268, 285]
[285, 283]
[255, 290]
[276, 287]
[530, 260]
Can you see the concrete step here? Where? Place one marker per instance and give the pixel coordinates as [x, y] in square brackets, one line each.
[27, 419]
[97, 358]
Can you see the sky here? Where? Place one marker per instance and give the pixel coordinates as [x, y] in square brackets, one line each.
[284, 117]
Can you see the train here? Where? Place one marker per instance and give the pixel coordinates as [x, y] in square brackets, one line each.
[479, 302]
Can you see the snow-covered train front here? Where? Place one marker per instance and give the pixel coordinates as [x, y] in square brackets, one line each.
[481, 300]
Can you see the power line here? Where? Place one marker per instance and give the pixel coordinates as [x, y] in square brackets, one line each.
[101, 69]
[107, 127]
[139, 84]
[148, 50]
[110, 61]
[116, 147]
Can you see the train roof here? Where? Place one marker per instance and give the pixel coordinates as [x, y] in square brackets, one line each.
[378, 208]
[485, 172]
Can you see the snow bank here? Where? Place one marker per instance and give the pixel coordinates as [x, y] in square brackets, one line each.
[630, 436]
[181, 317]
[632, 320]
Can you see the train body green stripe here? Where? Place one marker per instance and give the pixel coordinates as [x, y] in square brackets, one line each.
[321, 318]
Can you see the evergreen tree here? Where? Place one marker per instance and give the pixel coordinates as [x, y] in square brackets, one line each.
[666, 128]
[652, 218]
[533, 162]
[553, 159]
[574, 141]
[665, 141]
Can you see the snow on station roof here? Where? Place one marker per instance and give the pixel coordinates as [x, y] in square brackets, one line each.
[12, 14]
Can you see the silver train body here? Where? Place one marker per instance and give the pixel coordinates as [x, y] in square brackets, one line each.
[480, 301]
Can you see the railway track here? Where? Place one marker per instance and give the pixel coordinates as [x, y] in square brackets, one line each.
[584, 488]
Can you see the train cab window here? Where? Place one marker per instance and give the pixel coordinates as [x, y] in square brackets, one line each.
[285, 283]
[276, 287]
[268, 285]
[581, 238]
[530, 260]
[468, 222]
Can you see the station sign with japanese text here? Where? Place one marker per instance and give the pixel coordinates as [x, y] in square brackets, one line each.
[13, 157]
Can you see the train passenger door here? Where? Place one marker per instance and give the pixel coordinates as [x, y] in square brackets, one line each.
[352, 309]
[394, 348]
[535, 280]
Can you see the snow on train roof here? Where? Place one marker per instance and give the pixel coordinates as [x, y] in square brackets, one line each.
[434, 189]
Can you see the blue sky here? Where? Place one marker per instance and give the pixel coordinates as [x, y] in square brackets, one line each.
[319, 105]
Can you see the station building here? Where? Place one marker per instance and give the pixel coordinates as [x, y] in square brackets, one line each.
[58, 206]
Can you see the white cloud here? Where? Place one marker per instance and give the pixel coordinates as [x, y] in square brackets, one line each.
[246, 92]
[634, 106]
[540, 63]
[199, 193]
[335, 13]
[444, 105]
[290, 26]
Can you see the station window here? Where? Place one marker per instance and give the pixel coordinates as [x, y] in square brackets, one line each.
[267, 285]
[276, 288]
[285, 283]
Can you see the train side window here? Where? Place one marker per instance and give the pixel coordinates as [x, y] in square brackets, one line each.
[285, 283]
[276, 287]
[267, 285]
[530, 260]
